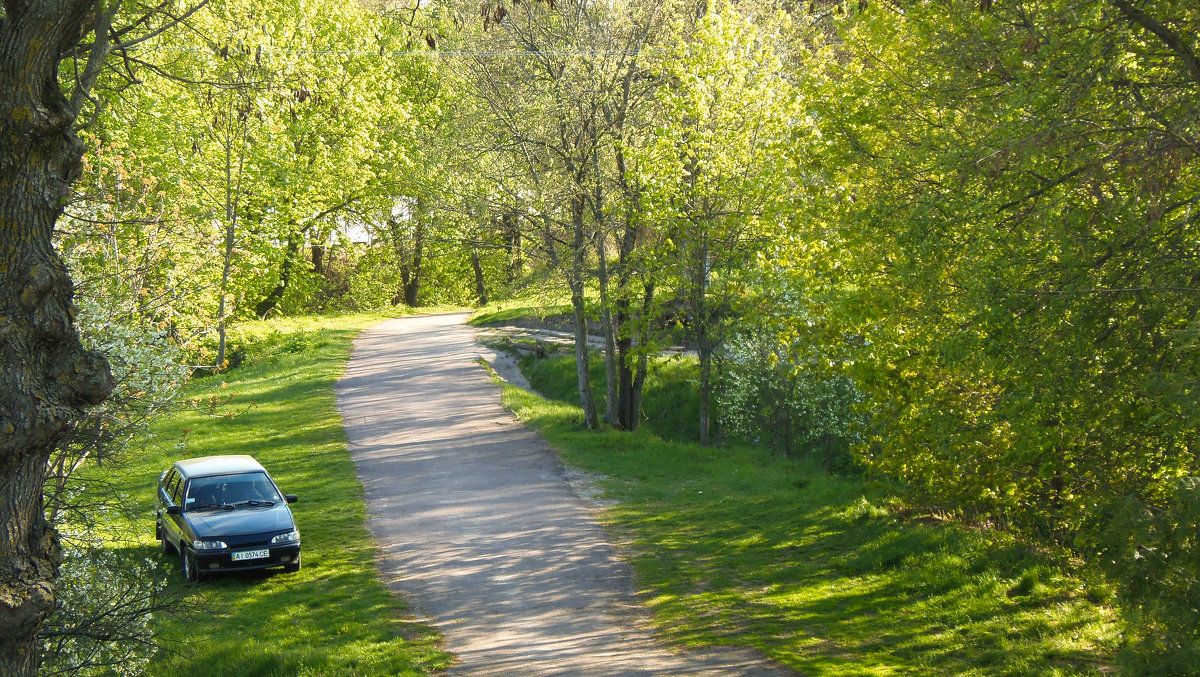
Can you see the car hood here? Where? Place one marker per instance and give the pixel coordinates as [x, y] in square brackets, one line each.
[241, 521]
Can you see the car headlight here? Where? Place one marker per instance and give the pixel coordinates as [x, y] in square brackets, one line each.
[208, 545]
[290, 537]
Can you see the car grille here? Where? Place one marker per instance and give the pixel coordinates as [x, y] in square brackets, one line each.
[248, 541]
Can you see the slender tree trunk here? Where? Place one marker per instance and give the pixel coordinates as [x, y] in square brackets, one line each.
[227, 254]
[608, 325]
[318, 259]
[578, 258]
[611, 380]
[639, 375]
[633, 378]
[624, 370]
[512, 243]
[704, 349]
[410, 260]
[480, 287]
[701, 318]
[46, 376]
[628, 388]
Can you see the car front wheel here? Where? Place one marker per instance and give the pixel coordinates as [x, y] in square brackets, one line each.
[294, 566]
[187, 562]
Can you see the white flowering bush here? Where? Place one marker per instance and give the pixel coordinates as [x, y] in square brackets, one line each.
[105, 602]
[149, 371]
[107, 592]
[782, 393]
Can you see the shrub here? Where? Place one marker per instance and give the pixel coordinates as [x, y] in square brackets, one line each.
[779, 393]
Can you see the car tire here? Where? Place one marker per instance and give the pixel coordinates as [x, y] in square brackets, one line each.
[187, 564]
[167, 548]
[294, 566]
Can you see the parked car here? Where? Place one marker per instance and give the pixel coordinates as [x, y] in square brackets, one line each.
[225, 513]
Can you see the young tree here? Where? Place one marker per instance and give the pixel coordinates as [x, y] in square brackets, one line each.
[725, 112]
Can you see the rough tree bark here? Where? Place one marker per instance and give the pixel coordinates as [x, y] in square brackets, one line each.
[46, 376]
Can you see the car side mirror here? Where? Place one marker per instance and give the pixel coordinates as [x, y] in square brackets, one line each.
[290, 498]
[173, 510]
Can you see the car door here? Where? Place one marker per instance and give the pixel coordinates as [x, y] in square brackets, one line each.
[170, 496]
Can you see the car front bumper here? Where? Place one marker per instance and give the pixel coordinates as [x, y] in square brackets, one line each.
[222, 560]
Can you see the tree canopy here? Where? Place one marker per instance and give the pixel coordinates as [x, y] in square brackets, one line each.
[948, 244]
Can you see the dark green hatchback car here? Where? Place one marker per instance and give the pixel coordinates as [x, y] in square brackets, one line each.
[225, 513]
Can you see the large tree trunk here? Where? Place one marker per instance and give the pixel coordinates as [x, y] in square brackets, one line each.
[46, 377]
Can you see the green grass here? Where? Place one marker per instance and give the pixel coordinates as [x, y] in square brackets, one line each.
[333, 617]
[504, 312]
[824, 574]
[670, 398]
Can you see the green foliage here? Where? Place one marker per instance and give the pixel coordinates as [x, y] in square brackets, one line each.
[107, 599]
[107, 592]
[772, 392]
[1002, 204]
[1011, 249]
[1154, 556]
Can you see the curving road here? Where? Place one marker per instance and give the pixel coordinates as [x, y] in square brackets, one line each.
[477, 525]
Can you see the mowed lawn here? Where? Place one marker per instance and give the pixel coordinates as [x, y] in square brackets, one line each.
[333, 617]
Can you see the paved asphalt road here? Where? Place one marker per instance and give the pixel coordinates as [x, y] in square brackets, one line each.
[478, 527]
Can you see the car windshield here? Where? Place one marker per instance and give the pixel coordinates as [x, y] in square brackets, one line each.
[218, 491]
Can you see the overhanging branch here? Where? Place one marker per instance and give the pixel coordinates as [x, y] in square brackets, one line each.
[1168, 37]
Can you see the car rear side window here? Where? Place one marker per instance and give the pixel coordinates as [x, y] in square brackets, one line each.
[173, 488]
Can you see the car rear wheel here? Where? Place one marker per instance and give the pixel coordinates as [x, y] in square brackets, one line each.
[187, 562]
[294, 566]
[167, 548]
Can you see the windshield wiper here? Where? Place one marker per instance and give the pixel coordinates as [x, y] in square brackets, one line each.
[254, 502]
[212, 506]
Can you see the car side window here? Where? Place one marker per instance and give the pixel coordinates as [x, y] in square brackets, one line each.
[176, 490]
[165, 487]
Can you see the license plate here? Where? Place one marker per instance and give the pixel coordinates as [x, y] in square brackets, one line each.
[251, 554]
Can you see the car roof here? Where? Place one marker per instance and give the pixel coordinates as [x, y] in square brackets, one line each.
[218, 465]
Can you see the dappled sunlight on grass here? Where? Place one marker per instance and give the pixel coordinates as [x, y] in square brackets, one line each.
[333, 617]
[734, 546]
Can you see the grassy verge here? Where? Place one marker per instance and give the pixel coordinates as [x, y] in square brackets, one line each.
[671, 397]
[555, 312]
[333, 617]
[824, 574]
